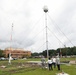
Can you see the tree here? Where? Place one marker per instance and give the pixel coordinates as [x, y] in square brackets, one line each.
[1, 53]
[44, 53]
[35, 54]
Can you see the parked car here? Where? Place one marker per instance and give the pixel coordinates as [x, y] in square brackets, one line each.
[2, 58]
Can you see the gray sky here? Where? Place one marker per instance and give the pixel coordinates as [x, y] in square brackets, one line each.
[28, 20]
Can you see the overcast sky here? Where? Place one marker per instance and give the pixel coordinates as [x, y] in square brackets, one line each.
[28, 18]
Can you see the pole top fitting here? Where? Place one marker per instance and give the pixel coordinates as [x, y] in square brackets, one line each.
[45, 8]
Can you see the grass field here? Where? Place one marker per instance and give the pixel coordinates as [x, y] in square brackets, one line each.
[21, 67]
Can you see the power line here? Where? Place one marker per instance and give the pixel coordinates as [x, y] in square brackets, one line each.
[33, 27]
[54, 23]
[41, 46]
[55, 36]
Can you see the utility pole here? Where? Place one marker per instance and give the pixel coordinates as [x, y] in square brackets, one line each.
[46, 10]
[10, 45]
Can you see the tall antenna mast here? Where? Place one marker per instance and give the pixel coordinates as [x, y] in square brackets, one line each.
[46, 10]
[10, 44]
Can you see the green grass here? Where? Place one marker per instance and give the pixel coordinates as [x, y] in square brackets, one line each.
[67, 59]
[14, 69]
[37, 71]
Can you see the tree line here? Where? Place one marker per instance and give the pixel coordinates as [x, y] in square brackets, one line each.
[67, 51]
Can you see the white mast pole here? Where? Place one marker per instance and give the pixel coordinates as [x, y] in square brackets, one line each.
[46, 10]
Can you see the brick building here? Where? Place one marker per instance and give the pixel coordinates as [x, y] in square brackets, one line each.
[17, 53]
